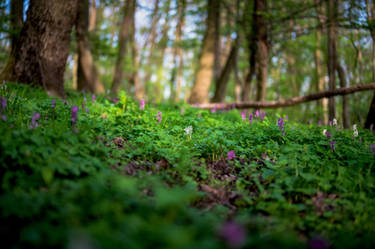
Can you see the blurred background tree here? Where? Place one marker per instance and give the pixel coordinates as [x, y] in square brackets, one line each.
[221, 51]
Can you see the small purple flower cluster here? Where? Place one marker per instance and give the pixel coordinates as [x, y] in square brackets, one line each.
[2, 107]
[256, 114]
[331, 141]
[231, 155]
[159, 117]
[281, 125]
[233, 234]
[34, 120]
[142, 104]
[74, 116]
[93, 98]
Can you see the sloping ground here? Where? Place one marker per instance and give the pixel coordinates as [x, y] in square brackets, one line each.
[112, 175]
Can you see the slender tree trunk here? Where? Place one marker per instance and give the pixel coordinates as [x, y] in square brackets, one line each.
[221, 85]
[251, 44]
[135, 58]
[345, 104]
[87, 75]
[16, 22]
[176, 76]
[262, 49]
[151, 40]
[217, 60]
[318, 56]
[201, 88]
[162, 45]
[332, 48]
[43, 45]
[125, 32]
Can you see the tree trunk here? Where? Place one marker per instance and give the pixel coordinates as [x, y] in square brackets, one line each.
[217, 60]
[92, 20]
[176, 76]
[370, 119]
[221, 84]
[43, 45]
[16, 22]
[135, 58]
[262, 49]
[201, 88]
[124, 34]
[251, 44]
[332, 48]
[151, 40]
[162, 45]
[87, 75]
[318, 56]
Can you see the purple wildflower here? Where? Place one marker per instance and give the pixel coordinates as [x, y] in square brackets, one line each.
[93, 97]
[231, 155]
[115, 100]
[142, 104]
[3, 103]
[372, 148]
[233, 105]
[87, 110]
[213, 110]
[319, 122]
[281, 125]
[318, 243]
[159, 117]
[250, 118]
[262, 115]
[330, 123]
[257, 113]
[328, 134]
[53, 103]
[286, 117]
[243, 116]
[74, 116]
[233, 233]
[4, 118]
[182, 111]
[84, 103]
[34, 120]
[332, 144]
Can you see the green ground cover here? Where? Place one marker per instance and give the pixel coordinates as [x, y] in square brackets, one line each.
[111, 175]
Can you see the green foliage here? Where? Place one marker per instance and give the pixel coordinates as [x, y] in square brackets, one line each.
[124, 180]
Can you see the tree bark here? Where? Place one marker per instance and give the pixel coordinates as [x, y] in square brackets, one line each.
[318, 56]
[92, 20]
[176, 76]
[251, 45]
[151, 40]
[87, 74]
[43, 45]
[125, 32]
[221, 84]
[262, 49]
[201, 88]
[345, 103]
[370, 119]
[135, 58]
[291, 101]
[332, 58]
[162, 45]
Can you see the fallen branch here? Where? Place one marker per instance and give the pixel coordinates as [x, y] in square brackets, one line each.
[288, 102]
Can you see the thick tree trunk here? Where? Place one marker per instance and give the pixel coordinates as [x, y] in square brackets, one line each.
[125, 32]
[262, 49]
[201, 88]
[87, 74]
[43, 45]
[370, 119]
[332, 58]
[92, 20]
[289, 102]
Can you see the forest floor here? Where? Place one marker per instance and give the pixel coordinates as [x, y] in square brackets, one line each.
[96, 172]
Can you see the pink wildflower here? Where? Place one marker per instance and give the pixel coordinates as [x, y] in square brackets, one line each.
[231, 155]
[142, 104]
[159, 117]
